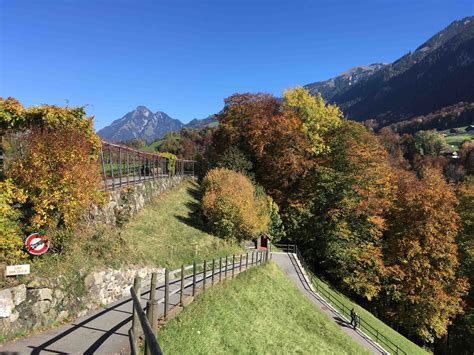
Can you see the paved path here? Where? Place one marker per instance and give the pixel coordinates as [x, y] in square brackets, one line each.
[291, 266]
[104, 331]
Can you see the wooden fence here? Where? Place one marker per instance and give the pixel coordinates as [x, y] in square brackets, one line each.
[192, 278]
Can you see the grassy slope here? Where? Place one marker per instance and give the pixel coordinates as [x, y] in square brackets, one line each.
[395, 337]
[260, 311]
[166, 232]
[169, 232]
[152, 147]
[454, 140]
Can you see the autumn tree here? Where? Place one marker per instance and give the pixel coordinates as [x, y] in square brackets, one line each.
[52, 156]
[423, 287]
[317, 117]
[349, 194]
[392, 143]
[461, 334]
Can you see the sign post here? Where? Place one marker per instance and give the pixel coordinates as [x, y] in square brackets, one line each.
[36, 244]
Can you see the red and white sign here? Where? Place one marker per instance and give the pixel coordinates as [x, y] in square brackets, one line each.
[36, 244]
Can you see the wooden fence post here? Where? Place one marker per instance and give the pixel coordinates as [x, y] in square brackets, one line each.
[204, 276]
[233, 264]
[152, 309]
[220, 269]
[137, 286]
[181, 295]
[212, 277]
[246, 261]
[194, 278]
[226, 263]
[240, 263]
[252, 260]
[167, 292]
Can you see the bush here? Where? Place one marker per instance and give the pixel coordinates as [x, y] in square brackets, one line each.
[52, 157]
[232, 206]
[171, 162]
[11, 241]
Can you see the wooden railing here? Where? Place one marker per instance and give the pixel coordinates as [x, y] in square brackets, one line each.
[193, 277]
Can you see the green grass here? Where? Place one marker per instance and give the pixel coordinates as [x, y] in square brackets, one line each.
[259, 312]
[368, 320]
[152, 147]
[166, 233]
[454, 140]
[169, 232]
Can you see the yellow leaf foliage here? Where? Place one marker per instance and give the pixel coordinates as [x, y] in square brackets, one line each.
[52, 156]
[11, 241]
[232, 206]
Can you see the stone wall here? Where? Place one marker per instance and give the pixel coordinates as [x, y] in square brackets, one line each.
[43, 302]
[123, 203]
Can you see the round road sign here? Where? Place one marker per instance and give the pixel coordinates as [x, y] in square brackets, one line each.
[36, 244]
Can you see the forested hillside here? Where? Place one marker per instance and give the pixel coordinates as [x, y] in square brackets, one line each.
[436, 76]
[384, 217]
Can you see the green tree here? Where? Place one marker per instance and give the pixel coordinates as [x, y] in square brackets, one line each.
[429, 143]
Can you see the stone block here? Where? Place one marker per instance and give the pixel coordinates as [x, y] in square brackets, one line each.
[42, 294]
[41, 307]
[6, 303]
[18, 294]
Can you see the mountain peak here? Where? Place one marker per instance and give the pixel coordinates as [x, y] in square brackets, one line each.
[439, 73]
[140, 123]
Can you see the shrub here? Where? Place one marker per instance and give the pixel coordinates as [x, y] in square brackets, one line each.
[52, 157]
[232, 206]
[11, 242]
[276, 229]
[171, 162]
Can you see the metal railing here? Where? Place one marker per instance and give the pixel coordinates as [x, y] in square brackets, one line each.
[123, 166]
[146, 321]
[334, 299]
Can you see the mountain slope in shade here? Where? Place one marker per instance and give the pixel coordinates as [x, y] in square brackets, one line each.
[331, 87]
[140, 123]
[437, 74]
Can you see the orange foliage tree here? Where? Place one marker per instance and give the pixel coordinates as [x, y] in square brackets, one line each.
[351, 194]
[421, 255]
[52, 156]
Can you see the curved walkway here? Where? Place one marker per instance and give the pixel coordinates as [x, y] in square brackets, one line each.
[292, 267]
[106, 331]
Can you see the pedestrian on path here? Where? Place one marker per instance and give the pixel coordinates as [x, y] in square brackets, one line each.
[354, 318]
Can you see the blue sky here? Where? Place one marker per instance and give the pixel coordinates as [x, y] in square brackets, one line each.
[185, 57]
